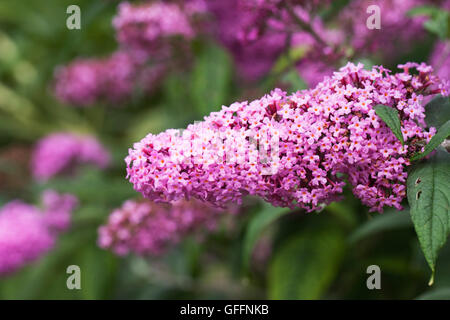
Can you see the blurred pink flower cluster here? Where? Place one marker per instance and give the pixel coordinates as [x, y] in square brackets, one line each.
[241, 27]
[440, 59]
[85, 82]
[28, 232]
[398, 29]
[257, 33]
[146, 34]
[63, 152]
[312, 136]
[147, 228]
[146, 27]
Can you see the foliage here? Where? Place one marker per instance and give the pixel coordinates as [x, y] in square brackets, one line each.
[261, 252]
[391, 118]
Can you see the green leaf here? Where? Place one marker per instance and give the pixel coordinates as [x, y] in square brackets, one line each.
[211, 78]
[436, 294]
[344, 212]
[437, 111]
[257, 225]
[332, 10]
[435, 141]
[423, 11]
[91, 186]
[306, 264]
[438, 19]
[438, 24]
[367, 62]
[292, 77]
[429, 197]
[389, 220]
[98, 267]
[286, 61]
[391, 118]
[177, 102]
[153, 120]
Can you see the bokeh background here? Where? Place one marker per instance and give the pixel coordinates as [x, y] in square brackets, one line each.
[230, 53]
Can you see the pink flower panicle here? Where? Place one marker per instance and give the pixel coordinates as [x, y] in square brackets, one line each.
[28, 232]
[291, 149]
[147, 228]
[62, 152]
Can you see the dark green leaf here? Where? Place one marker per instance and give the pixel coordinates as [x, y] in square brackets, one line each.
[429, 197]
[97, 268]
[306, 264]
[389, 220]
[435, 141]
[390, 117]
[438, 24]
[91, 185]
[436, 294]
[294, 80]
[423, 11]
[257, 225]
[211, 79]
[344, 212]
[290, 58]
[437, 111]
[177, 97]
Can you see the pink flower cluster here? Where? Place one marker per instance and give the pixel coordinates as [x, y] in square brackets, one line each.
[146, 34]
[147, 228]
[62, 152]
[291, 149]
[241, 27]
[398, 30]
[148, 27]
[28, 232]
[257, 32]
[323, 51]
[87, 81]
[440, 59]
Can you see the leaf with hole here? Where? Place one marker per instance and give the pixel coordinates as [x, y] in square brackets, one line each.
[429, 199]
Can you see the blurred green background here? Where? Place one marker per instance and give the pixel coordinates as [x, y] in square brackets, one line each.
[265, 253]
